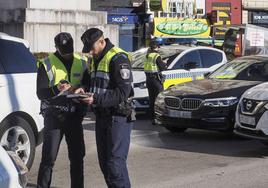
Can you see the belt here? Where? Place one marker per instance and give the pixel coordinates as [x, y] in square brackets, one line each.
[59, 107]
[63, 108]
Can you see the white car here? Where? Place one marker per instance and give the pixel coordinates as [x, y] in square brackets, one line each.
[252, 113]
[20, 123]
[13, 172]
[206, 60]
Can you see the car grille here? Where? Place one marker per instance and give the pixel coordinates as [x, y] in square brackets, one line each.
[172, 102]
[249, 106]
[191, 104]
[249, 126]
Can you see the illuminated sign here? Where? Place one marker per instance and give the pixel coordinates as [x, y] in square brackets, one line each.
[122, 19]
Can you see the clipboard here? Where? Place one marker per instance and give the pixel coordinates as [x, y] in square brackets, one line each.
[77, 96]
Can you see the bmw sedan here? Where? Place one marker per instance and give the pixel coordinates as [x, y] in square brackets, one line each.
[210, 103]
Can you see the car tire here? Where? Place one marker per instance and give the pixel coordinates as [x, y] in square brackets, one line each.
[25, 143]
[176, 129]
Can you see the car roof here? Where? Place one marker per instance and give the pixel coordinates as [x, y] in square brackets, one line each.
[5, 36]
[178, 48]
[256, 58]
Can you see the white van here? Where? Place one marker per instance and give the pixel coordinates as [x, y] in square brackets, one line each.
[20, 123]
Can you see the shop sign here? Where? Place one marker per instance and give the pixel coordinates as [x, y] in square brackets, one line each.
[260, 17]
[222, 12]
[122, 19]
[172, 27]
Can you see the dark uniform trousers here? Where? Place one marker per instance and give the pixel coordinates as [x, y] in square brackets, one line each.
[54, 130]
[113, 140]
[154, 87]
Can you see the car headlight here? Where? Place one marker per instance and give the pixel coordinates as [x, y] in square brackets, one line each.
[221, 102]
[160, 98]
[141, 85]
[266, 106]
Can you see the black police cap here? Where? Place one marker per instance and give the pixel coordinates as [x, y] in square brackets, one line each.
[89, 37]
[153, 44]
[64, 42]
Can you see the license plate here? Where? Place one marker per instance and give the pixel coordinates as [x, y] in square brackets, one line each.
[247, 120]
[180, 114]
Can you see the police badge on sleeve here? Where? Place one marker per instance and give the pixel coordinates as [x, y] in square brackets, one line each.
[125, 72]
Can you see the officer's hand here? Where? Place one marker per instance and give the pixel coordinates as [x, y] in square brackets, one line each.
[89, 100]
[76, 91]
[63, 87]
[79, 90]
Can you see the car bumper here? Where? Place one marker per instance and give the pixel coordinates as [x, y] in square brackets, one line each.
[220, 119]
[254, 134]
[141, 104]
[258, 131]
[220, 123]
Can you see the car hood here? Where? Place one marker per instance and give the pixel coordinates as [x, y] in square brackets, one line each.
[211, 88]
[259, 92]
[138, 76]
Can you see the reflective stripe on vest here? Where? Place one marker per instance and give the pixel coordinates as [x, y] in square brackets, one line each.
[56, 70]
[100, 79]
[150, 65]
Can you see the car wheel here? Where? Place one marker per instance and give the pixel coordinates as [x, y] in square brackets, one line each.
[176, 129]
[17, 135]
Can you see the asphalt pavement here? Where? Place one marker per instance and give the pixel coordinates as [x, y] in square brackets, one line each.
[161, 159]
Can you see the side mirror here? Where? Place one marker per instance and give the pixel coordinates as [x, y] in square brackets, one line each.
[190, 65]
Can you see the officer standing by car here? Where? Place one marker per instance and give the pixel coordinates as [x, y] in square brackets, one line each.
[59, 73]
[110, 85]
[153, 66]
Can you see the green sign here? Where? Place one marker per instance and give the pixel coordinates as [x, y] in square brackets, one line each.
[182, 27]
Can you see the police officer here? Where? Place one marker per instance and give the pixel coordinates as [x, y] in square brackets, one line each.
[110, 85]
[60, 72]
[153, 66]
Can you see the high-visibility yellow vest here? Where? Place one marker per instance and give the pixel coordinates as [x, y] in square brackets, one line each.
[100, 77]
[150, 65]
[56, 70]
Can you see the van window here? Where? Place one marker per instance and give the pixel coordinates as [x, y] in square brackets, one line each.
[16, 58]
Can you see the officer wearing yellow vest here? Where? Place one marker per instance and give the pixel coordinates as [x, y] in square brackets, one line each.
[59, 73]
[153, 66]
[111, 87]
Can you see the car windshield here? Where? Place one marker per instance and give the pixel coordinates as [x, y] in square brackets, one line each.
[167, 54]
[232, 69]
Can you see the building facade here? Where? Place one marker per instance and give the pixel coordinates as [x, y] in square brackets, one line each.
[129, 16]
[39, 21]
[255, 12]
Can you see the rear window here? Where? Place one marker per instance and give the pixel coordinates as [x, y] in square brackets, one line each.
[210, 57]
[16, 58]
